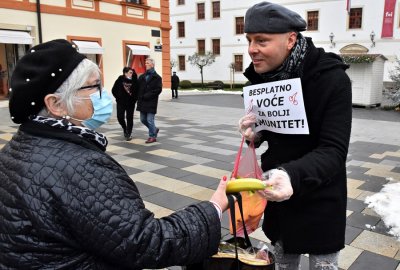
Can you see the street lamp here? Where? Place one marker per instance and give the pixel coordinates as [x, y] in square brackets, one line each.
[372, 36]
[331, 37]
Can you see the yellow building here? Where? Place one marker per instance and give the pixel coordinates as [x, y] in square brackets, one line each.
[112, 33]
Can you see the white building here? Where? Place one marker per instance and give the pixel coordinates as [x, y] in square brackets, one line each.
[111, 33]
[211, 25]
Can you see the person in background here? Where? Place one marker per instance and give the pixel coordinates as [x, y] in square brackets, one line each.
[174, 85]
[125, 92]
[3, 82]
[306, 210]
[64, 202]
[150, 87]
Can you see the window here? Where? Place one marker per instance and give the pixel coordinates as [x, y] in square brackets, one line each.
[181, 29]
[215, 9]
[216, 46]
[201, 46]
[355, 18]
[239, 21]
[13, 52]
[181, 2]
[238, 63]
[312, 20]
[200, 11]
[181, 62]
[134, 1]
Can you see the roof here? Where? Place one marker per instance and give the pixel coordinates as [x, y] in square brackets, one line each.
[361, 57]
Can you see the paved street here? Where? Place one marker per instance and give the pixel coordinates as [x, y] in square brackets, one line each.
[197, 145]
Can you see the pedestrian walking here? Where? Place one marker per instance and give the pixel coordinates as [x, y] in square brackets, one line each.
[150, 86]
[174, 85]
[125, 92]
[305, 173]
[65, 203]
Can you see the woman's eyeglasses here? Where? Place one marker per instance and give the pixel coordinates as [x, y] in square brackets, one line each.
[98, 86]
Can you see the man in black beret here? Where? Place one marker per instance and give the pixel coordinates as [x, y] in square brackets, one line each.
[305, 173]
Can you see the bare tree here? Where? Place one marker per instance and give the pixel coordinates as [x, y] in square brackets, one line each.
[395, 76]
[173, 63]
[200, 61]
[232, 68]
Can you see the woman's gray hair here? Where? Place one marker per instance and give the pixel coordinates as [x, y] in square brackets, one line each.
[67, 91]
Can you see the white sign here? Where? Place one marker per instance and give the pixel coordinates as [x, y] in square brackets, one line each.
[279, 106]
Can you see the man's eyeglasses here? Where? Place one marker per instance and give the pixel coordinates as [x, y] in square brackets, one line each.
[98, 86]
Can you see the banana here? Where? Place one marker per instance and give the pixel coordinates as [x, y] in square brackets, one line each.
[244, 184]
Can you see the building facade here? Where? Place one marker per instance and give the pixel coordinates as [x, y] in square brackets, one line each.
[112, 33]
[335, 25]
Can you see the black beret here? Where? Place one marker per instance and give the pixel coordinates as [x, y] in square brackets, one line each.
[267, 17]
[38, 73]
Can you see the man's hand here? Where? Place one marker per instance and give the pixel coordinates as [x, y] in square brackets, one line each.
[245, 126]
[279, 188]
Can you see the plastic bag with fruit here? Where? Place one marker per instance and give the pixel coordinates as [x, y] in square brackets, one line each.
[246, 166]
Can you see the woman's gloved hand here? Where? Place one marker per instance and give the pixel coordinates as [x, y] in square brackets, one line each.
[279, 188]
[246, 126]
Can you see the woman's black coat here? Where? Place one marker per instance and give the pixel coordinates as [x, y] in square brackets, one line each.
[120, 94]
[66, 204]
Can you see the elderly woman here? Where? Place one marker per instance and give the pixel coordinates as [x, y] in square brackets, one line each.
[65, 203]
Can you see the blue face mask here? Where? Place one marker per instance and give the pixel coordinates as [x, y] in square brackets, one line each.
[102, 106]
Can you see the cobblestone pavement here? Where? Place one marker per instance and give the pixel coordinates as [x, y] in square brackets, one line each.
[197, 144]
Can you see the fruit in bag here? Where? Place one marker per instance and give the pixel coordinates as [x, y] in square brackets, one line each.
[244, 184]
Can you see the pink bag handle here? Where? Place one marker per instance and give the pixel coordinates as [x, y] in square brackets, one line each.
[237, 160]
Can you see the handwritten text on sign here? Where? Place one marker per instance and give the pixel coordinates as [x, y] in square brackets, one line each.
[279, 106]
